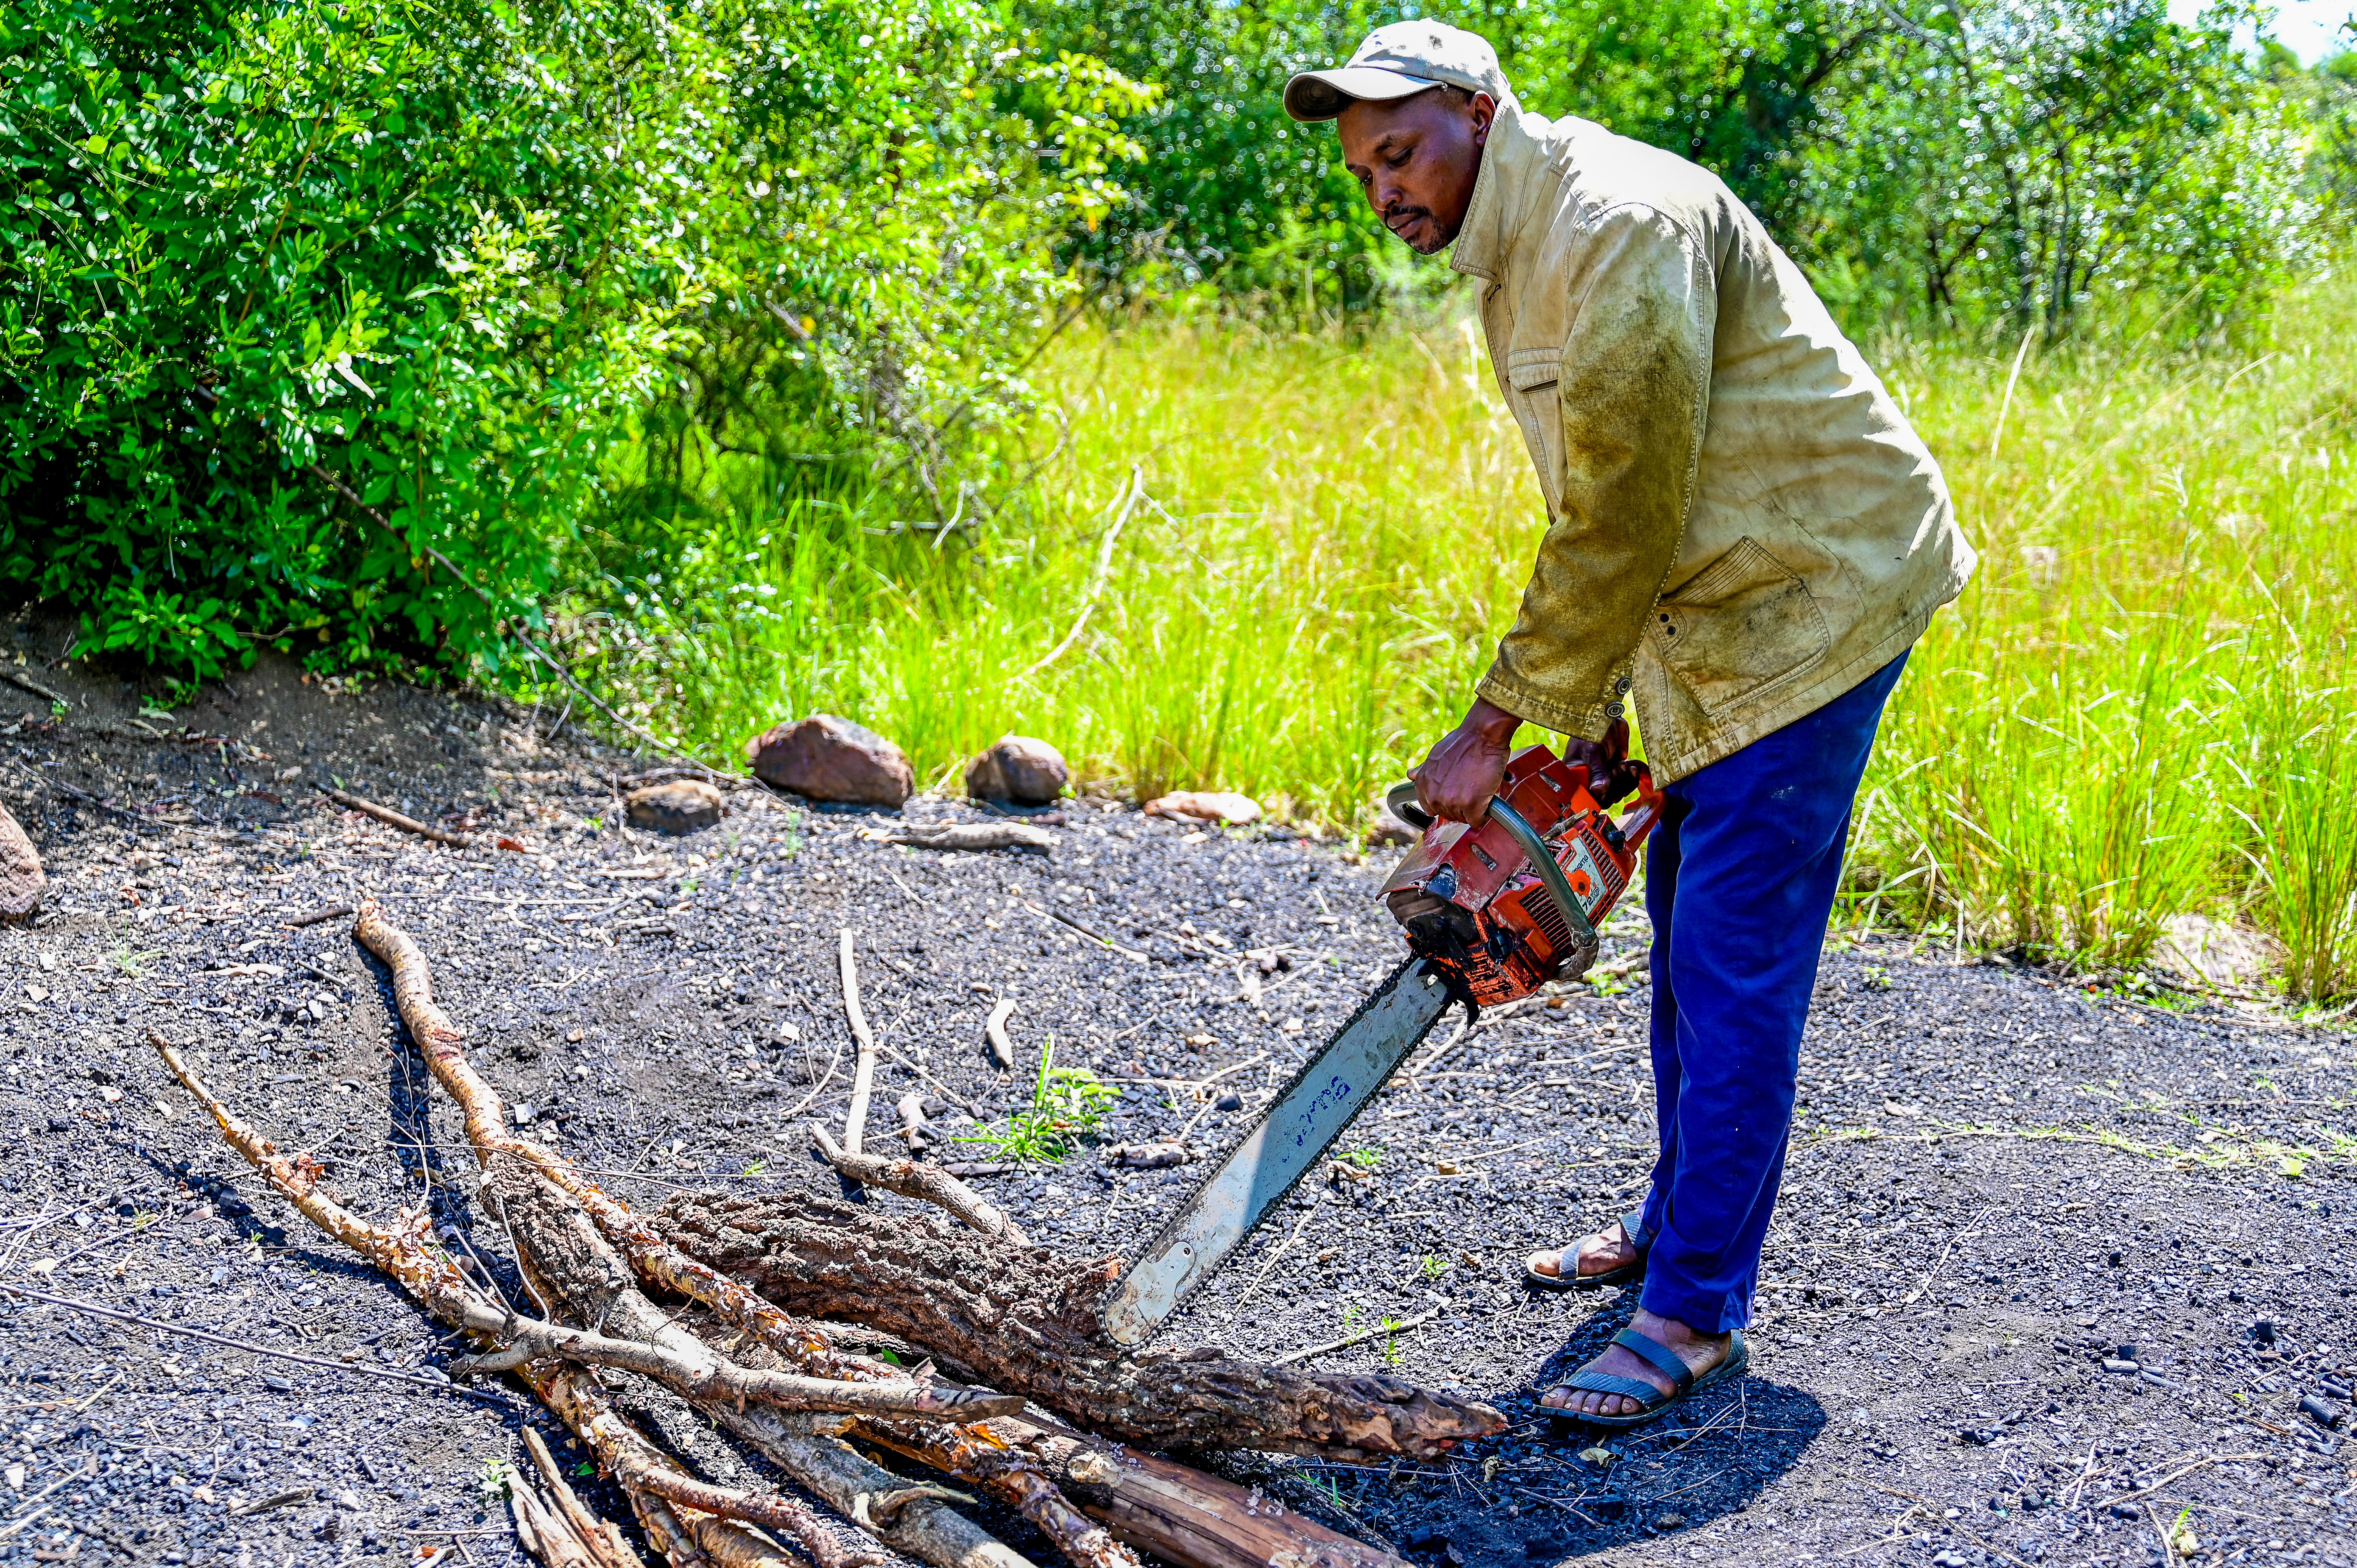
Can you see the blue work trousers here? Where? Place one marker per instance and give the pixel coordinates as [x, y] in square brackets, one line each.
[1739, 881]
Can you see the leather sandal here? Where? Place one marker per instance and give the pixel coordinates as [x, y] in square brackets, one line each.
[1634, 1225]
[1653, 1401]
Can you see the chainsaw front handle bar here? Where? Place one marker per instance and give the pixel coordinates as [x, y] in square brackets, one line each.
[1408, 809]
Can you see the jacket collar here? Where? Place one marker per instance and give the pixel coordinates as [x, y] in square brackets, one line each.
[1509, 160]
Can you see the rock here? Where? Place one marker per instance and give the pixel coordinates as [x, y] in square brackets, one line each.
[824, 758]
[1544, 1546]
[2263, 1331]
[1020, 771]
[682, 806]
[2323, 1412]
[2127, 1353]
[1204, 806]
[1670, 1521]
[2116, 1364]
[22, 880]
[1230, 1101]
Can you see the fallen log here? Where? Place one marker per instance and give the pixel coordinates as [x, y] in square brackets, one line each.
[956, 1292]
[569, 1246]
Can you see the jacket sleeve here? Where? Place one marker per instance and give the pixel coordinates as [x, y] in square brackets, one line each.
[1633, 394]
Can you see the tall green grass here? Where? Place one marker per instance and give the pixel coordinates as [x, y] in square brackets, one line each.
[1309, 545]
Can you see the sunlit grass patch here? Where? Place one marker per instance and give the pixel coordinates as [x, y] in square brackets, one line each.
[1277, 564]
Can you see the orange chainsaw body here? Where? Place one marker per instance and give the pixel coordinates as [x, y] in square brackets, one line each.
[1472, 905]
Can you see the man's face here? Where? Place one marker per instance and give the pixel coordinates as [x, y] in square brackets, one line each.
[1416, 159]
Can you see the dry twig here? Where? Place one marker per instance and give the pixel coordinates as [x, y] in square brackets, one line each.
[863, 1071]
[392, 818]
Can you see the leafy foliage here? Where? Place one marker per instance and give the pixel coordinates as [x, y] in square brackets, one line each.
[253, 257]
[1980, 162]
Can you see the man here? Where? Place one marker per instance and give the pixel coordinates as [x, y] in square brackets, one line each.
[1745, 536]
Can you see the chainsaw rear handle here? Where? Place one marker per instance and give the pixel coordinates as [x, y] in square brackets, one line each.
[1407, 809]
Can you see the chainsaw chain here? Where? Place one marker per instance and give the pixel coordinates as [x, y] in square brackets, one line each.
[1210, 1167]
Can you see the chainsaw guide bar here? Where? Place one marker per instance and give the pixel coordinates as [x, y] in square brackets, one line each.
[1283, 1145]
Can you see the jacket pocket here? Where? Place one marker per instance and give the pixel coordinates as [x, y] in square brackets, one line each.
[1531, 375]
[1739, 630]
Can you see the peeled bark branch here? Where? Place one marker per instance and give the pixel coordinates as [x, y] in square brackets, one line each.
[712, 1377]
[911, 1179]
[862, 1072]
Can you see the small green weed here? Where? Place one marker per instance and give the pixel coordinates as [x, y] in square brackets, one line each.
[1393, 1354]
[129, 962]
[755, 1167]
[495, 1480]
[1433, 1267]
[1067, 1105]
[1876, 978]
[1366, 1159]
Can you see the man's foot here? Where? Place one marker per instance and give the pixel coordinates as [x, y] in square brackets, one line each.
[1700, 1352]
[1599, 1253]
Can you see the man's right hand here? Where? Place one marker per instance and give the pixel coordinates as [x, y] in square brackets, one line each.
[1457, 781]
[1465, 767]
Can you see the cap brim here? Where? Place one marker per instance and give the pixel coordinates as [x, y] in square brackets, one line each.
[1316, 95]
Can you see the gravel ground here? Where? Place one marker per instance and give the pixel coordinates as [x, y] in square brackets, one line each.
[2055, 1272]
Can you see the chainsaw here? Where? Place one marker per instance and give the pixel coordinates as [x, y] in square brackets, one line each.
[1490, 912]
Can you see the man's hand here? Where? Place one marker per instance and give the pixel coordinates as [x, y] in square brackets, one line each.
[1465, 767]
[1610, 774]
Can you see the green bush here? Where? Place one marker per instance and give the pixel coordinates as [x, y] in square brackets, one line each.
[325, 323]
[1976, 164]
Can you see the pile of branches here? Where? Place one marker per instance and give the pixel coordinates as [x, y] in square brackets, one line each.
[757, 1310]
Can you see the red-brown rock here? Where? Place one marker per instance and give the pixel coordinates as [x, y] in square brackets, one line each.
[1020, 771]
[1204, 806]
[22, 880]
[824, 758]
[682, 806]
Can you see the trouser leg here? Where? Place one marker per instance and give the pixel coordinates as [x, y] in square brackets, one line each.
[1740, 881]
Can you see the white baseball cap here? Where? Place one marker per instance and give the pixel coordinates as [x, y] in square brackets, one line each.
[1398, 61]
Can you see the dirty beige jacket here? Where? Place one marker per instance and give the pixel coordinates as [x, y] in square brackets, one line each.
[1741, 525]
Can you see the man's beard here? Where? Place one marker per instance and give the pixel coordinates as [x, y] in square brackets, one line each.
[1408, 220]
